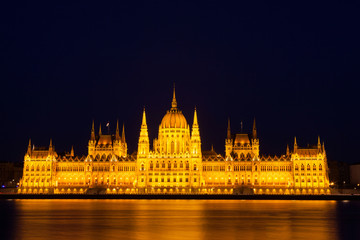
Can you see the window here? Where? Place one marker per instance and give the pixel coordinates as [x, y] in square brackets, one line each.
[172, 148]
[302, 167]
[195, 167]
[314, 167]
[308, 167]
[320, 167]
[187, 165]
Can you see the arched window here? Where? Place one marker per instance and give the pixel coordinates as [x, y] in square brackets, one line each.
[37, 168]
[302, 167]
[142, 168]
[175, 164]
[27, 168]
[320, 167]
[151, 165]
[314, 167]
[296, 167]
[43, 168]
[172, 146]
[163, 164]
[181, 165]
[157, 164]
[308, 167]
[195, 167]
[169, 165]
[187, 165]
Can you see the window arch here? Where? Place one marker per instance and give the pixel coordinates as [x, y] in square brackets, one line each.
[142, 168]
[172, 147]
[163, 165]
[187, 165]
[27, 167]
[157, 164]
[308, 167]
[320, 167]
[314, 167]
[195, 167]
[151, 165]
[302, 167]
[296, 167]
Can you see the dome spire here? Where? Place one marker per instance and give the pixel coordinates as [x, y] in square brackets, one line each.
[174, 103]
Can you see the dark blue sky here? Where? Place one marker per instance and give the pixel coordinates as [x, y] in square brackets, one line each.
[294, 66]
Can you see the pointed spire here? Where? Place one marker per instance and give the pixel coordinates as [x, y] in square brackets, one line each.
[143, 123]
[174, 103]
[92, 131]
[228, 130]
[212, 147]
[195, 123]
[295, 144]
[29, 147]
[254, 130]
[117, 133]
[287, 150]
[123, 134]
[50, 145]
[72, 151]
[100, 130]
[319, 143]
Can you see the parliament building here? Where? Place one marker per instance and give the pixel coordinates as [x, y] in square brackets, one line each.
[175, 165]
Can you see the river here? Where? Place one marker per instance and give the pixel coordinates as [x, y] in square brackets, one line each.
[179, 219]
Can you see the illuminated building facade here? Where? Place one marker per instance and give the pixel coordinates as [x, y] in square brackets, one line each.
[175, 164]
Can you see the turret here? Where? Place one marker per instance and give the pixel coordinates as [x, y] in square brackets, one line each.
[287, 150]
[195, 136]
[228, 141]
[29, 148]
[254, 131]
[143, 146]
[92, 132]
[117, 133]
[72, 151]
[228, 130]
[50, 146]
[123, 133]
[295, 145]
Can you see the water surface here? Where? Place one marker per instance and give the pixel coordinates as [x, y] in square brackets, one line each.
[179, 219]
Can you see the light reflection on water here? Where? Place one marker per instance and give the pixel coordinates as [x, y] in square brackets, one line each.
[180, 219]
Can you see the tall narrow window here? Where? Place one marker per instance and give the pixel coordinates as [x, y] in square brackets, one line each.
[172, 147]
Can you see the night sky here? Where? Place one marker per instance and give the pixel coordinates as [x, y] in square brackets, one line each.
[295, 67]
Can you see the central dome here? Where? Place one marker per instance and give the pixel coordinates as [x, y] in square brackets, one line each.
[174, 118]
